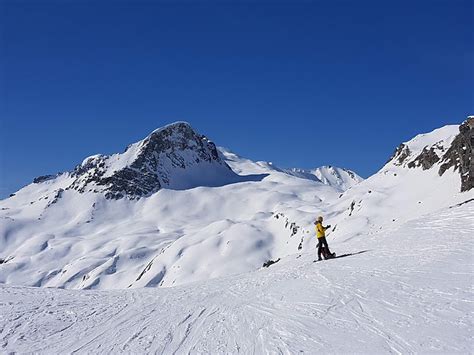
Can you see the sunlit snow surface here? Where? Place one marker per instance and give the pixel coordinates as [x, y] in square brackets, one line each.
[408, 290]
[84, 241]
[181, 270]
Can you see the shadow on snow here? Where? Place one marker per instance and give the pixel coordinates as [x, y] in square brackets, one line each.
[350, 254]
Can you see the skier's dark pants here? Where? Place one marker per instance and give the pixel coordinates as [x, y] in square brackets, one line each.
[322, 243]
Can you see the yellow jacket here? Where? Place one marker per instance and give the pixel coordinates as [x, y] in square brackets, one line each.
[320, 230]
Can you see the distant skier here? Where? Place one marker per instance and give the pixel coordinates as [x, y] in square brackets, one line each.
[323, 247]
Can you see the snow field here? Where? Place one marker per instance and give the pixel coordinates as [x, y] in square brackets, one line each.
[180, 271]
[179, 236]
[405, 291]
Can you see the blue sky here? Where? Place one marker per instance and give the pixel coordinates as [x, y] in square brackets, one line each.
[300, 83]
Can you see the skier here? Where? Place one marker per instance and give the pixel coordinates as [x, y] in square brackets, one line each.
[323, 247]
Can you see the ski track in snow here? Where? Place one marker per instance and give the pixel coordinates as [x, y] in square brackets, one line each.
[412, 291]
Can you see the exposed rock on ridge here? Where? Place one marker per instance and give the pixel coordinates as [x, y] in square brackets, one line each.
[456, 153]
[460, 155]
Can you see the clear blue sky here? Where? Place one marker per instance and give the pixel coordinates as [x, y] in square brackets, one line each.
[299, 83]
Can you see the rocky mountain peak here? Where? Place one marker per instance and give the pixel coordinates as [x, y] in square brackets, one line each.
[160, 160]
[174, 139]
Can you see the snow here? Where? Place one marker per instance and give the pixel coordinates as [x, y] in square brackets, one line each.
[405, 291]
[208, 174]
[437, 142]
[393, 196]
[174, 157]
[181, 270]
[92, 159]
[118, 162]
[341, 179]
[190, 232]
[445, 135]
[230, 224]
[165, 127]
[338, 178]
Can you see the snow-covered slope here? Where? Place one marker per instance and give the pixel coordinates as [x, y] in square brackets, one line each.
[407, 291]
[339, 178]
[411, 184]
[170, 211]
[53, 234]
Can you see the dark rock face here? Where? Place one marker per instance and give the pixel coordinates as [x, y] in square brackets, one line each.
[400, 154]
[125, 182]
[426, 159]
[43, 178]
[268, 263]
[460, 155]
[131, 183]
[57, 196]
[351, 173]
[176, 146]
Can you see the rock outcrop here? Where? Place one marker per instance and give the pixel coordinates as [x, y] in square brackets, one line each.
[455, 152]
[401, 153]
[461, 155]
[426, 159]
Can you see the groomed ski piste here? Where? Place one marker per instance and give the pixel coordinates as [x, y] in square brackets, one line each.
[407, 291]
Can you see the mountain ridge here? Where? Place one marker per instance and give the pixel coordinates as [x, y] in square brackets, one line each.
[339, 178]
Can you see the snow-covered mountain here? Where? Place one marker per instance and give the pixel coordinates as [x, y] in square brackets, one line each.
[423, 175]
[174, 209]
[134, 219]
[338, 178]
[173, 157]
